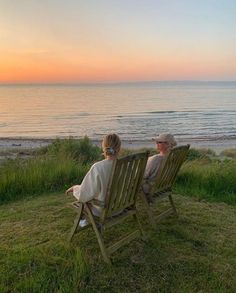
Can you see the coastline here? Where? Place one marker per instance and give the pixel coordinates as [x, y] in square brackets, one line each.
[19, 143]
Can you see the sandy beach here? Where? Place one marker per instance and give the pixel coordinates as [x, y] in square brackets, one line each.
[8, 145]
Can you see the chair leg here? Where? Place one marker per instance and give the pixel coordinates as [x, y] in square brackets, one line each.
[99, 236]
[148, 209]
[144, 236]
[173, 205]
[76, 222]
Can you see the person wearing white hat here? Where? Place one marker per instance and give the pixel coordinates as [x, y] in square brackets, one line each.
[164, 143]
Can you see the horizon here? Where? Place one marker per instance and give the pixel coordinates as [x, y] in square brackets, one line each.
[118, 82]
[107, 42]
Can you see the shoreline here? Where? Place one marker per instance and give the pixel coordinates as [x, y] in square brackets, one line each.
[19, 143]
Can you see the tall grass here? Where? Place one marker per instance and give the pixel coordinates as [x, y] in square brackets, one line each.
[35, 176]
[66, 161]
[210, 179]
[231, 153]
[82, 150]
[63, 163]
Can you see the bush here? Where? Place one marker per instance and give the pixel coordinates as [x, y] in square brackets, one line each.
[81, 150]
[194, 154]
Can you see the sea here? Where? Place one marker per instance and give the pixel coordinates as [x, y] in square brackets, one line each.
[195, 112]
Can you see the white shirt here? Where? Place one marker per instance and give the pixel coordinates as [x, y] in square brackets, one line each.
[94, 184]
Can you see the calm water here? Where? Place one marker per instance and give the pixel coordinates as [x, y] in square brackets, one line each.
[191, 111]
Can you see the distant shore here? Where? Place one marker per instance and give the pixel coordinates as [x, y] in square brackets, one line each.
[7, 144]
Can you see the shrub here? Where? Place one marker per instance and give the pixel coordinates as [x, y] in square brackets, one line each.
[81, 150]
[194, 154]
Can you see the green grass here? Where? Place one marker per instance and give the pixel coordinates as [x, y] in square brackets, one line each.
[22, 178]
[213, 180]
[192, 253]
[231, 153]
[54, 168]
[66, 161]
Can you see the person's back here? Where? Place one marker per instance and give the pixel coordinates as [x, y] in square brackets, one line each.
[95, 182]
[153, 165]
[164, 143]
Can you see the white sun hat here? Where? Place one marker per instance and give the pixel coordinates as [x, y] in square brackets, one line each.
[166, 137]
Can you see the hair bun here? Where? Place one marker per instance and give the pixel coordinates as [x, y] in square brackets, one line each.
[110, 151]
[111, 144]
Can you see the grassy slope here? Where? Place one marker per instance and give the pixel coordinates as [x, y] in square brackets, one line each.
[194, 253]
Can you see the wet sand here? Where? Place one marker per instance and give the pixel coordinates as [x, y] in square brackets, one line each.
[23, 143]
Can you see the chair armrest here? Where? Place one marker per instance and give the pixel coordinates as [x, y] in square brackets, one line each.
[94, 201]
[97, 202]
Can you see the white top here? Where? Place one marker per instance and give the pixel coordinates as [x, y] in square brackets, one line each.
[94, 184]
[152, 167]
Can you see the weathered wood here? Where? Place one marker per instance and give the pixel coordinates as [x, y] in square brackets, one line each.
[123, 241]
[164, 214]
[76, 221]
[148, 209]
[164, 181]
[118, 219]
[120, 202]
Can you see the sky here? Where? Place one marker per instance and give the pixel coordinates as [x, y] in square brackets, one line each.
[73, 41]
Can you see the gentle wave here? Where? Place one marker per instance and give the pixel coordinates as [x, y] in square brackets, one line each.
[197, 111]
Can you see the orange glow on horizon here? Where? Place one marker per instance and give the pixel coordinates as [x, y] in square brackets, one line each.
[24, 68]
[89, 41]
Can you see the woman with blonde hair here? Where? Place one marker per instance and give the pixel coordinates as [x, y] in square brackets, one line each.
[95, 182]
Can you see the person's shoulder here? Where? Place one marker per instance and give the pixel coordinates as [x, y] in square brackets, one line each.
[101, 164]
[153, 158]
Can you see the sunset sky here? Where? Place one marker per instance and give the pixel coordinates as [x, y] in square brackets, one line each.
[117, 40]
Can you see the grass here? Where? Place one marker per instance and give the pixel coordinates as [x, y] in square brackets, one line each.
[34, 176]
[192, 253]
[53, 168]
[66, 161]
[231, 153]
[210, 179]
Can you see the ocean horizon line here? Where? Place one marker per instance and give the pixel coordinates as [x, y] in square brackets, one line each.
[114, 83]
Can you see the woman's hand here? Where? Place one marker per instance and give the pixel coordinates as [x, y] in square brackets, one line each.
[69, 190]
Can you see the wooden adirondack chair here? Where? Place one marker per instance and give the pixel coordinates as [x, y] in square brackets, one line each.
[164, 183]
[120, 203]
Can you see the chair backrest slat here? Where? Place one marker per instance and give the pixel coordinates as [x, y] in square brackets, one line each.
[132, 182]
[118, 170]
[141, 164]
[126, 179]
[169, 168]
